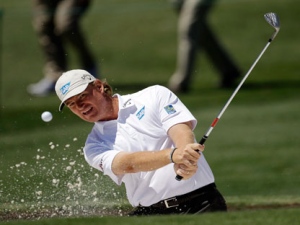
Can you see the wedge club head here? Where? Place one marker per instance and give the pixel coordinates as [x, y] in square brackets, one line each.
[273, 20]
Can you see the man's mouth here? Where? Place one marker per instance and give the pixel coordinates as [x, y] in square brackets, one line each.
[86, 112]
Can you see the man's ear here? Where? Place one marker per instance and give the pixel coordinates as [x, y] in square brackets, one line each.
[99, 86]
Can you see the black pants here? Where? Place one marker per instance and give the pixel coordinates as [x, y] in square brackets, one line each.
[206, 199]
[57, 24]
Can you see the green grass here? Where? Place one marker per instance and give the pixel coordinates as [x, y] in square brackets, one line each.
[289, 216]
[253, 151]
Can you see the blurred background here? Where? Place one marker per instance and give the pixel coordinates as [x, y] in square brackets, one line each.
[254, 150]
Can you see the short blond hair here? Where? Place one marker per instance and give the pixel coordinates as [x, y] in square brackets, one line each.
[107, 88]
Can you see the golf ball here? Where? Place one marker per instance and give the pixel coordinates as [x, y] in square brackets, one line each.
[46, 116]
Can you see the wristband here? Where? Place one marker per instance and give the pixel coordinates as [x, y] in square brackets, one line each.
[171, 155]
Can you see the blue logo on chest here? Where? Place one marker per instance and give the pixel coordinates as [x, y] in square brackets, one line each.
[140, 114]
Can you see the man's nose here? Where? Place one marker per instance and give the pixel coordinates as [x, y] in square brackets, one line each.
[79, 104]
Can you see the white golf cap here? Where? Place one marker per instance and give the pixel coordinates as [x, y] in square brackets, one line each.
[72, 83]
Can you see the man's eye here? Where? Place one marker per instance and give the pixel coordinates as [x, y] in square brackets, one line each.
[70, 104]
[81, 97]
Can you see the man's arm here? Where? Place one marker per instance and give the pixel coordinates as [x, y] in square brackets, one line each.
[186, 155]
[181, 134]
[126, 162]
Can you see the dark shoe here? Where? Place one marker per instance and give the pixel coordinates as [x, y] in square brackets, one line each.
[179, 89]
[229, 79]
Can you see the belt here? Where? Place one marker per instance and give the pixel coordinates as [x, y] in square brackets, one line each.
[177, 200]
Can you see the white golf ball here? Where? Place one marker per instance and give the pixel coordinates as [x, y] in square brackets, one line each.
[46, 116]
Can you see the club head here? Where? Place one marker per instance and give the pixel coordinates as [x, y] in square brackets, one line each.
[273, 20]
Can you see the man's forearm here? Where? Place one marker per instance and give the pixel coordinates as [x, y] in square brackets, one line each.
[125, 162]
[182, 134]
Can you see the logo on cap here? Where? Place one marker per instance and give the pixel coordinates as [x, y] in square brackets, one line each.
[86, 76]
[64, 89]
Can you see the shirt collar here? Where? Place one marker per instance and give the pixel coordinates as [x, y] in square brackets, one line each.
[125, 101]
[126, 106]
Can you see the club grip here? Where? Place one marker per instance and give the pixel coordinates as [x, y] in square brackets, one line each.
[178, 177]
[203, 139]
[201, 142]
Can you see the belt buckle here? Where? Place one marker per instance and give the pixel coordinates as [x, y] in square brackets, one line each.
[171, 200]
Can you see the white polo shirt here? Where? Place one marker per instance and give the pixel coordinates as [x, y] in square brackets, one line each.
[142, 125]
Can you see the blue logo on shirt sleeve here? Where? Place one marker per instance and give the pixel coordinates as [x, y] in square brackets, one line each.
[170, 109]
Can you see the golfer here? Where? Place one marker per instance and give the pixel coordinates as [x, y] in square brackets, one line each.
[143, 140]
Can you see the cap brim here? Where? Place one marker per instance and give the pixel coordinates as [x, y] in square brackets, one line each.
[72, 93]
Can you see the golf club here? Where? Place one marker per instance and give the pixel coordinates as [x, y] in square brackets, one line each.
[273, 20]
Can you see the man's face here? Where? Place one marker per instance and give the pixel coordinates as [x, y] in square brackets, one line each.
[92, 104]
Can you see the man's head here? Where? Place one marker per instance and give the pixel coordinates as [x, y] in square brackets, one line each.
[72, 83]
[87, 97]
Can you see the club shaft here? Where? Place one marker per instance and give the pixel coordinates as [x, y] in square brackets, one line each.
[215, 121]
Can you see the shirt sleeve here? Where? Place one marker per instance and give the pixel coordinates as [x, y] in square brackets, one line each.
[171, 110]
[100, 157]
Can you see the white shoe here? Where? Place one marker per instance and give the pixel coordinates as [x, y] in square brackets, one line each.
[42, 88]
